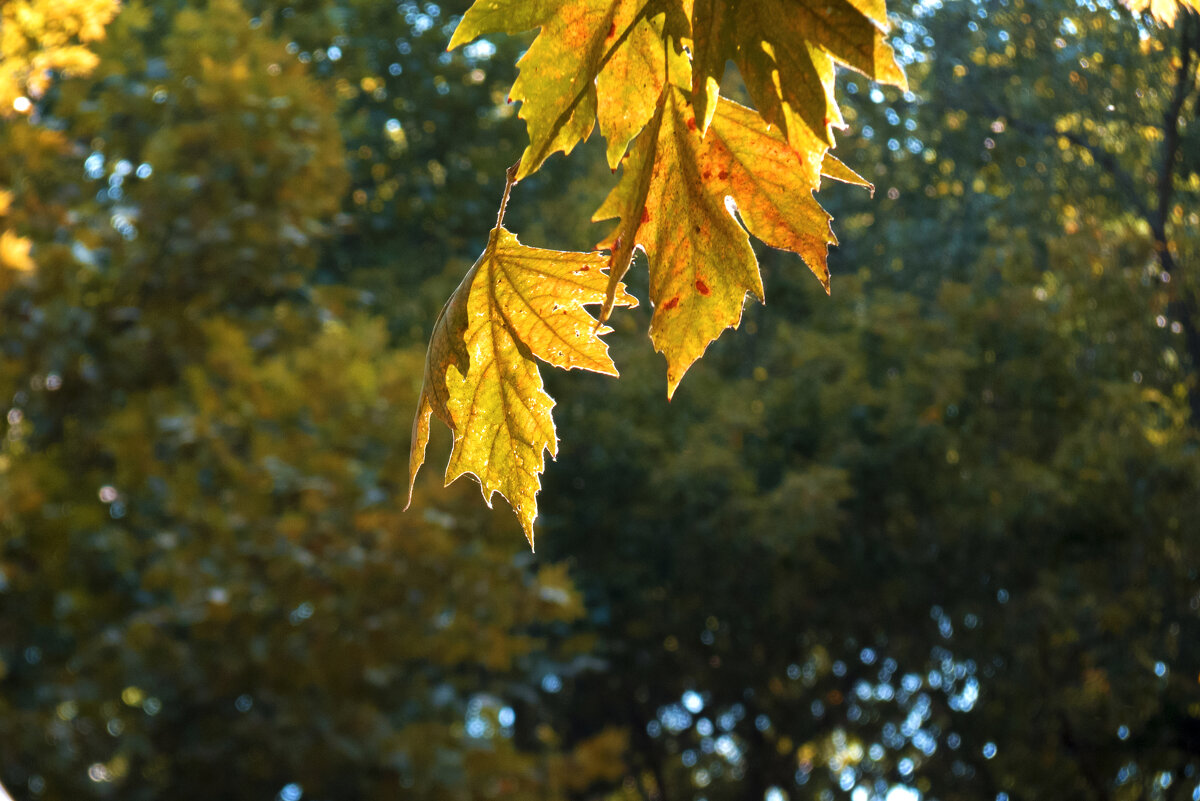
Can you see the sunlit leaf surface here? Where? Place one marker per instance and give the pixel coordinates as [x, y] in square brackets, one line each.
[680, 199]
[620, 60]
[517, 304]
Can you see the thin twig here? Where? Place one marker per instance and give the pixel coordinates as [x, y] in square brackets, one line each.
[510, 179]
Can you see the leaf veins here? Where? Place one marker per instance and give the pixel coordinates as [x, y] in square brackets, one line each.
[672, 203]
[481, 379]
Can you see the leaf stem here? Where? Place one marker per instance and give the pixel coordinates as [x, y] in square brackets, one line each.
[510, 179]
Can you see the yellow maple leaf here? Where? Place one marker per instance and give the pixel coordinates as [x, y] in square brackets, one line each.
[785, 52]
[629, 86]
[557, 84]
[671, 201]
[690, 195]
[516, 304]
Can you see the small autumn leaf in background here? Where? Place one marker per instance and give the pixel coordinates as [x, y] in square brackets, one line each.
[14, 249]
[38, 39]
[41, 37]
[516, 304]
[14, 252]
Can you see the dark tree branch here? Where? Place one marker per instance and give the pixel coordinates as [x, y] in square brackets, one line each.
[1182, 303]
[1185, 82]
[1101, 156]
[1155, 211]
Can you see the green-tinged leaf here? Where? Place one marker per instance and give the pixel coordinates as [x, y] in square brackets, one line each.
[671, 201]
[491, 16]
[516, 303]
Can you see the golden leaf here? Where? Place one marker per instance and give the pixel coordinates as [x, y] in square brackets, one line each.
[14, 252]
[516, 304]
[557, 84]
[672, 203]
[786, 51]
[630, 85]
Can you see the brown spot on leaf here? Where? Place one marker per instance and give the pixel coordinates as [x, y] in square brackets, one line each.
[670, 304]
[702, 287]
[691, 123]
[723, 175]
[645, 215]
[612, 30]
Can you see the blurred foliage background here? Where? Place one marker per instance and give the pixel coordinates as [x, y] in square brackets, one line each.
[933, 537]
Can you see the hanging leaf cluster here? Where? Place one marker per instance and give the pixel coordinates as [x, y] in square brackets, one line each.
[700, 174]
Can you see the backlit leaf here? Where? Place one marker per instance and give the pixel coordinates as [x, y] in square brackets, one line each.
[557, 86]
[701, 174]
[671, 202]
[630, 86]
[481, 377]
[785, 51]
